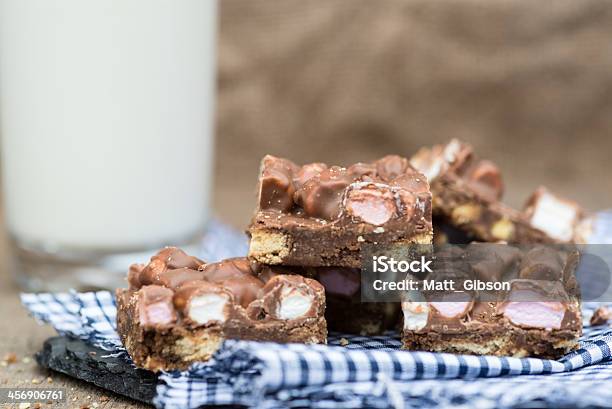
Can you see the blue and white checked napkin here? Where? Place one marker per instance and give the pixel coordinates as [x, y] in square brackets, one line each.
[368, 372]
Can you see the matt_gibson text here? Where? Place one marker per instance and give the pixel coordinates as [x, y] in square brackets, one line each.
[440, 285]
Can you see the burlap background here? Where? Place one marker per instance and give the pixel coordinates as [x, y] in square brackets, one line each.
[529, 83]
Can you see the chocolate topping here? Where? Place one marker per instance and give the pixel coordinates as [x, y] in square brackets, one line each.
[177, 258]
[188, 312]
[391, 166]
[450, 263]
[484, 311]
[492, 262]
[175, 278]
[267, 272]
[338, 211]
[321, 195]
[238, 267]
[412, 182]
[525, 290]
[169, 258]
[319, 191]
[409, 203]
[134, 275]
[439, 160]
[362, 171]
[245, 289]
[548, 299]
[542, 263]
[276, 184]
[485, 177]
[467, 192]
[457, 158]
[237, 282]
[307, 172]
[236, 275]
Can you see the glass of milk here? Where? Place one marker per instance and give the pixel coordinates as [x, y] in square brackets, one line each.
[106, 125]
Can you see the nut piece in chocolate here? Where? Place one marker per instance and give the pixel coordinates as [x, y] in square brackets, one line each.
[317, 215]
[179, 309]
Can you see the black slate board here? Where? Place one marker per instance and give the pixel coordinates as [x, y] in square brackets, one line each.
[80, 360]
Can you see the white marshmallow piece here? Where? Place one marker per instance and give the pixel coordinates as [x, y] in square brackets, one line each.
[432, 162]
[207, 308]
[416, 314]
[554, 217]
[293, 304]
[451, 150]
[431, 170]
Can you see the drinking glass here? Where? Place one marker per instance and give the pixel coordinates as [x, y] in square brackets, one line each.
[106, 119]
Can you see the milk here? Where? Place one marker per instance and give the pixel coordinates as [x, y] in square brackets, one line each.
[106, 121]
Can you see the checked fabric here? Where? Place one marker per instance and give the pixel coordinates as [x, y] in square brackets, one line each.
[367, 372]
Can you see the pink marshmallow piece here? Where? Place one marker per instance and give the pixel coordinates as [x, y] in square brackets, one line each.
[535, 314]
[450, 309]
[157, 313]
